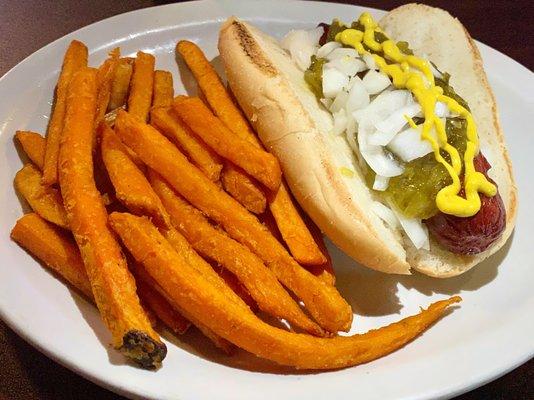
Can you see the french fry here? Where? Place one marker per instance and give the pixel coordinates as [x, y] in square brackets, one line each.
[182, 247]
[212, 243]
[120, 84]
[141, 86]
[74, 60]
[199, 154]
[135, 192]
[112, 284]
[54, 248]
[243, 188]
[106, 75]
[189, 290]
[110, 116]
[323, 301]
[131, 186]
[44, 200]
[139, 270]
[324, 271]
[218, 98]
[34, 145]
[238, 184]
[234, 284]
[293, 230]
[163, 89]
[219, 342]
[256, 162]
[171, 318]
[59, 252]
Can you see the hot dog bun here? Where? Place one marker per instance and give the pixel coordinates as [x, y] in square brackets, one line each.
[296, 128]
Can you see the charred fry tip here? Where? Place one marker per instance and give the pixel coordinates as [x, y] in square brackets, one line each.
[143, 349]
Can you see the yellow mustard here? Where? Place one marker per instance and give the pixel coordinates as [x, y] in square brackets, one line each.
[347, 172]
[414, 73]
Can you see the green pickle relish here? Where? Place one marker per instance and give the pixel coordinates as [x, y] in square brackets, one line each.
[413, 193]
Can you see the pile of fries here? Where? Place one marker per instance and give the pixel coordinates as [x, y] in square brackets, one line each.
[168, 209]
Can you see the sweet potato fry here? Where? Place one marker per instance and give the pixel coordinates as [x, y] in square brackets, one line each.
[216, 245]
[44, 200]
[59, 252]
[240, 186]
[257, 163]
[55, 248]
[182, 247]
[323, 302]
[171, 318]
[34, 145]
[163, 89]
[298, 238]
[141, 86]
[139, 223]
[234, 284]
[218, 98]
[134, 190]
[324, 271]
[243, 188]
[293, 230]
[131, 186]
[197, 151]
[106, 74]
[74, 60]
[189, 290]
[112, 284]
[120, 84]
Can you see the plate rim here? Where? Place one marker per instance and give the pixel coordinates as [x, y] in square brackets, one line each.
[116, 386]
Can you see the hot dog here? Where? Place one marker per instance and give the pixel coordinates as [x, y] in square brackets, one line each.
[382, 131]
[471, 235]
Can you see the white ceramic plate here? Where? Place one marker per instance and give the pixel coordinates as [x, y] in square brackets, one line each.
[491, 333]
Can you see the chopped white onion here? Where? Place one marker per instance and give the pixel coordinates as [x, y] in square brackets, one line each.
[333, 82]
[351, 138]
[441, 110]
[375, 156]
[384, 105]
[358, 97]
[351, 125]
[327, 48]
[348, 65]
[389, 127]
[381, 183]
[385, 214]
[301, 45]
[342, 52]
[339, 102]
[370, 61]
[408, 145]
[375, 81]
[415, 230]
[340, 122]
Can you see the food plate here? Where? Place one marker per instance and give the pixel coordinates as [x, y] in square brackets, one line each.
[488, 335]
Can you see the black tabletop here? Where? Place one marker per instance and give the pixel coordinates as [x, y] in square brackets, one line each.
[27, 25]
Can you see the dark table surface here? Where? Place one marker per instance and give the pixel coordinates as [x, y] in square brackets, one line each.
[27, 25]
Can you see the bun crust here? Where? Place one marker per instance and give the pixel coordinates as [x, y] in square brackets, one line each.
[296, 128]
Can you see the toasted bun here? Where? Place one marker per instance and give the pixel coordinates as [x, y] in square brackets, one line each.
[296, 128]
